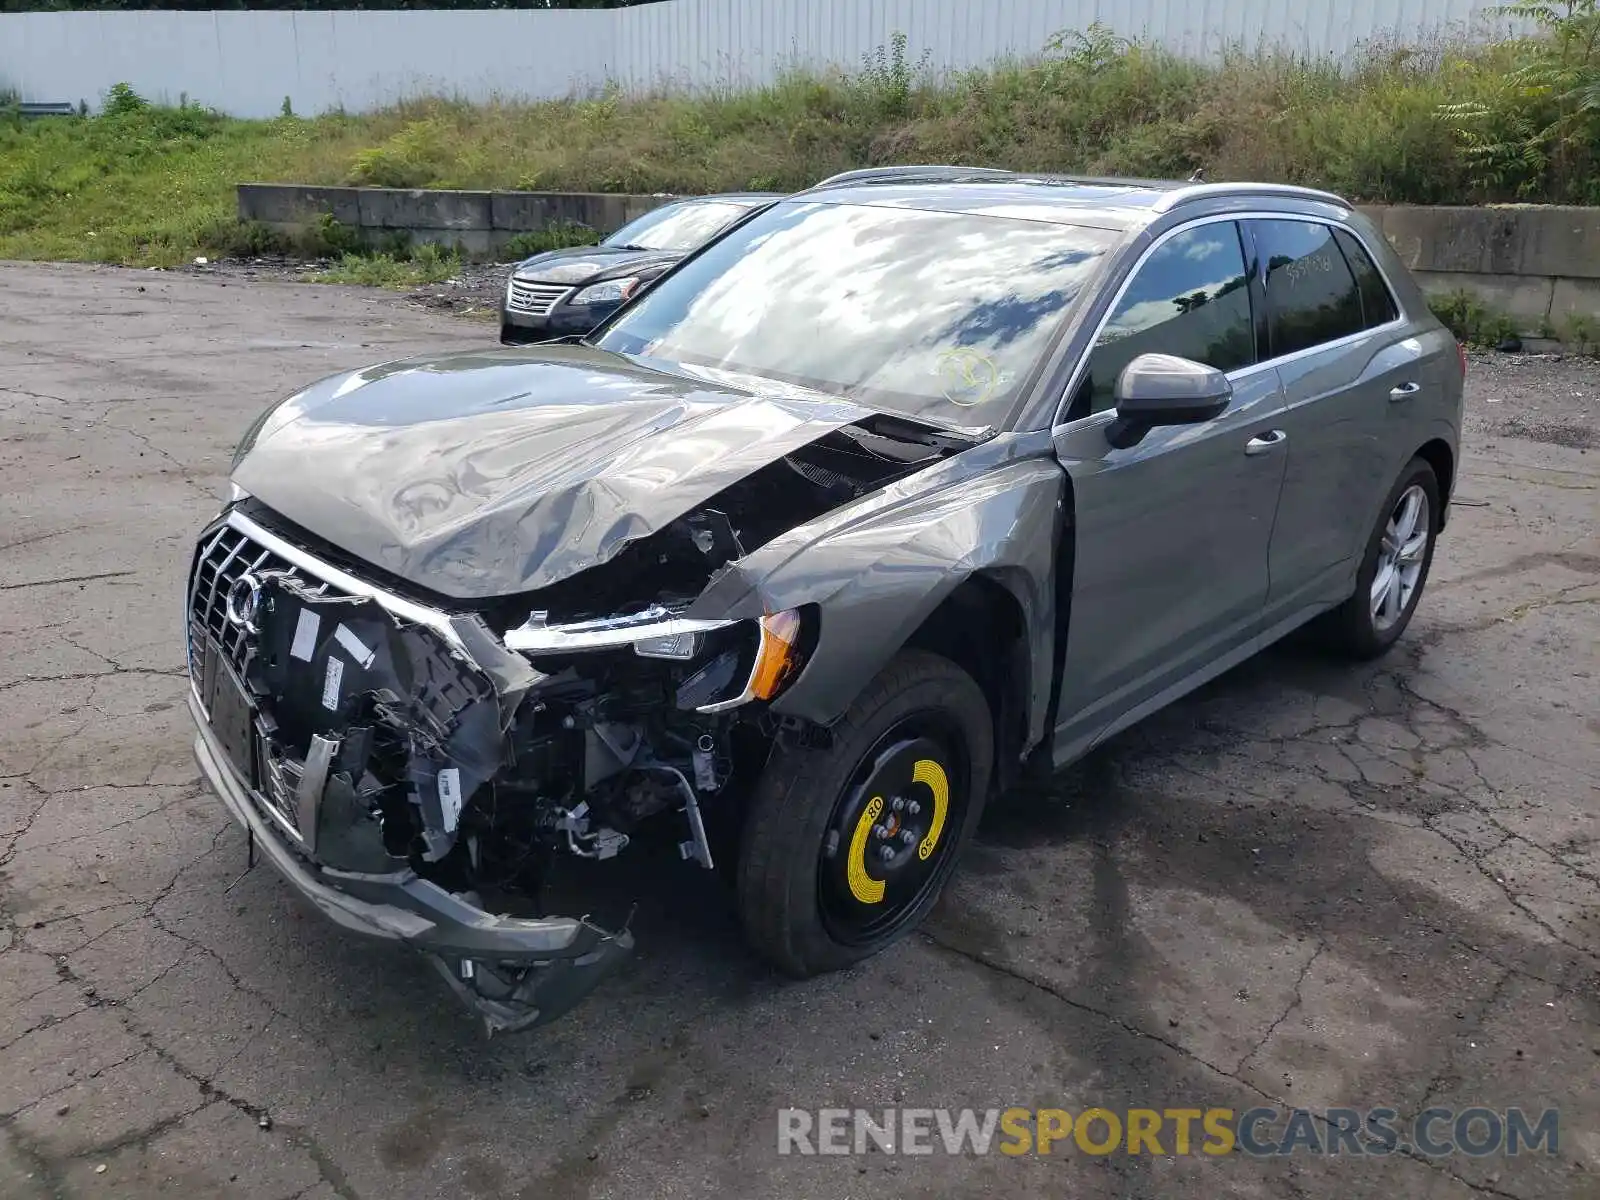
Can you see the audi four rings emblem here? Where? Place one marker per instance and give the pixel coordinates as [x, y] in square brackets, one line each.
[244, 601]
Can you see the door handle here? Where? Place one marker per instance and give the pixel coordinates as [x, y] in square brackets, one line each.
[1269, 440]
[1404, 392]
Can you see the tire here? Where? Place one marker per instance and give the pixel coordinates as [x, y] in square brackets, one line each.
[1354, 629]
[803, 863]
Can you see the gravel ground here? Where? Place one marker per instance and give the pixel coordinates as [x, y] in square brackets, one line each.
[475, 291]
[1308, 883]
[1548, 398]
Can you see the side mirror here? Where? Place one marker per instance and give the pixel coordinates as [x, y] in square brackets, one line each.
[1163, 389]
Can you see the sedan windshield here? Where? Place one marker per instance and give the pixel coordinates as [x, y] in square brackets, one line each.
[677, 226]
[928, 314]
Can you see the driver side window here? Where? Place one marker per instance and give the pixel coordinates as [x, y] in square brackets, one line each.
[1191, 298]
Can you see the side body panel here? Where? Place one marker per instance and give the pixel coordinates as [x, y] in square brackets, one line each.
[1434, 411]
[1170, 563]
[1347, 443]
[878, 568]
[1434, 414]
[1351, 420]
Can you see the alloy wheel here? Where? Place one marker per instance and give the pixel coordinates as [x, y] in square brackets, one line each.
[1401, 557]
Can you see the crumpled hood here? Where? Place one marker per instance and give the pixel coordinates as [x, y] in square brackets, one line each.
[487, 473]
[583, 264]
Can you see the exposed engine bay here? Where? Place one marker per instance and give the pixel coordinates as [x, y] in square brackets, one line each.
[673, 565]
[475, 749]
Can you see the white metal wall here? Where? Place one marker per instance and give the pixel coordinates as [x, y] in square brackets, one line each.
[245, 63]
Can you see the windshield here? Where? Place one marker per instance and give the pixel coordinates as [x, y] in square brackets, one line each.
[677, 226]
[928, 314]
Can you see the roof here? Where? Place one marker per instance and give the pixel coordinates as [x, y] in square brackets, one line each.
[1066, 199]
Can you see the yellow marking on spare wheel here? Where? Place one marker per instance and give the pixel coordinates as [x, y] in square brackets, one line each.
[863, 886]
[931, 773]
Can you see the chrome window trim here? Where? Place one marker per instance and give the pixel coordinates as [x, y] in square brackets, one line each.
[1349, 339]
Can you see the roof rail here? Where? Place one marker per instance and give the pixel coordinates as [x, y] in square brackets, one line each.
[1202, 191]
[946, 172]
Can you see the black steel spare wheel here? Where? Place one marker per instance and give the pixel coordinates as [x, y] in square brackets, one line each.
[846, 848]
[893, 829]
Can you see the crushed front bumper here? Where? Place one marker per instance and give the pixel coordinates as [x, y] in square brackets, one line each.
[515, 973]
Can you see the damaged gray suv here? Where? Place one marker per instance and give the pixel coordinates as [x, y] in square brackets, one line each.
[907, 486]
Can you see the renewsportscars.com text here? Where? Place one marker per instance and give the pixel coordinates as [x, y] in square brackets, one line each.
[1258, 1132]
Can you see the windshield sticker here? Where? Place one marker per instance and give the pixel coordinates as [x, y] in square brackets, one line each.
[969, 377]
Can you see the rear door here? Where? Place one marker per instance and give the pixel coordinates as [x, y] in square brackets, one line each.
[1347, 368]
[1169, 576]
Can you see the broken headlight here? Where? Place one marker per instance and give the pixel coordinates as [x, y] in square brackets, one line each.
[775, 663]
[742, 660]
[681, 647]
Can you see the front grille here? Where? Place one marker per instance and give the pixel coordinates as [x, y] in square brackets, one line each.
[226, 556]
[535, 299]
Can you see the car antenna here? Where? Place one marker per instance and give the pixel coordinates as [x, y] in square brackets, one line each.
[1199, 175]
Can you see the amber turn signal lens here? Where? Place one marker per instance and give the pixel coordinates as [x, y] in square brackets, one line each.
[776, 657]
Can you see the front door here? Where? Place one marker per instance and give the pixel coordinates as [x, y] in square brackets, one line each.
[1169, 569]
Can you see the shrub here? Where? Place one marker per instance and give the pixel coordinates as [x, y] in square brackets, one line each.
[1472, 320]
[324, 237]
[122, 100]
[419, 154]
[554, 237]
[1580, 333]
[887, 78]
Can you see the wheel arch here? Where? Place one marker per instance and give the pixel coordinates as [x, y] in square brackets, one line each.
[982, 627]
[1438, 455]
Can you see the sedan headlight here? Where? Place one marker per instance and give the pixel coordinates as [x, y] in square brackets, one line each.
[612, 291]
[765, 667]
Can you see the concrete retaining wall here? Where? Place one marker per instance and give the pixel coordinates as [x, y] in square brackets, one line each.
[1539, 263]
[479, 224]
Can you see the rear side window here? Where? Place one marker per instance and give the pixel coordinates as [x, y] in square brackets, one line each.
[1312, 297]
[1189, 298]
[1377, 305]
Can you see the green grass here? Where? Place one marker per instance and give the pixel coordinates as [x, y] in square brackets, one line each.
[147, 185]
[1580, 333]
[556, 237]
[428, 265]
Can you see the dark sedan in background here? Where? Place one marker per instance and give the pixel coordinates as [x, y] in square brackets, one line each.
[566, 292]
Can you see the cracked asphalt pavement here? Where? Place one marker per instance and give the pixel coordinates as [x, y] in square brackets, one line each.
[1308, 884]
